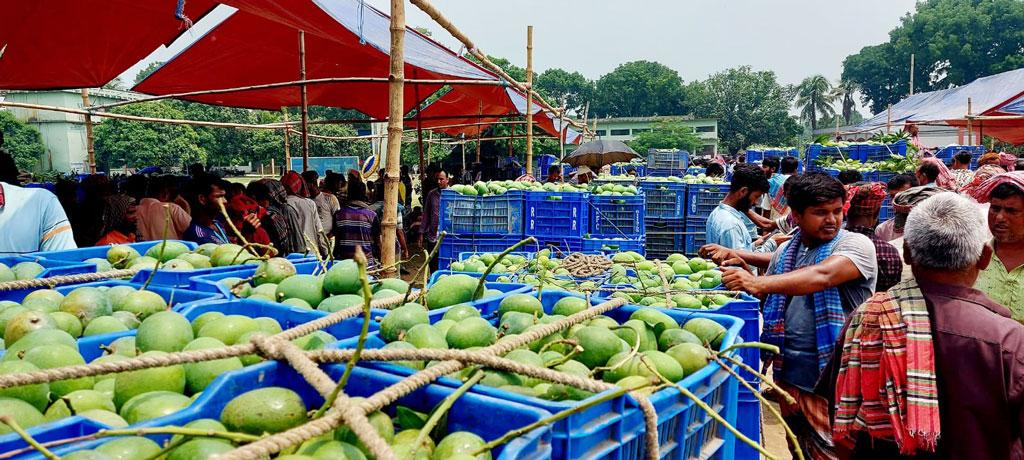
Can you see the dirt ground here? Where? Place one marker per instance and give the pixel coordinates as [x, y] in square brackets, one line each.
[774, 435]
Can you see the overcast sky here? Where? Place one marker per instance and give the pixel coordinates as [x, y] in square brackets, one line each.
[794, 38]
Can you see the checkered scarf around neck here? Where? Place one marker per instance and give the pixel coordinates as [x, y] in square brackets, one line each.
[827, 304]
[887, 381]
[980, 176]
[982, 192]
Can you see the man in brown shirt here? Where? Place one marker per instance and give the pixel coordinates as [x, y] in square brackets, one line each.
[978, 348]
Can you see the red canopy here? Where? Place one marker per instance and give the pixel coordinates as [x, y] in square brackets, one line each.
[83, 43]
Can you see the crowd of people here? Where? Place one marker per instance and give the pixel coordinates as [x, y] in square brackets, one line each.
[896, 339]
[298, 213]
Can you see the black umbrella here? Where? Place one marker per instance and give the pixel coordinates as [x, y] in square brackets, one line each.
[598, 153]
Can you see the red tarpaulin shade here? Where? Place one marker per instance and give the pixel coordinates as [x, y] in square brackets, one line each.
[252, 49]
[54, 44]
[484, 104]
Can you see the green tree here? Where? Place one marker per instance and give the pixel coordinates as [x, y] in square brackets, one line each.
[223, 146]
[814, 98]
[147, 71]
[22, 141]
[639, 88]
[751, 107]
[953, 43]
[320, 147]
[667, 134]
[138, 144]
[844, 93]
[556, 83]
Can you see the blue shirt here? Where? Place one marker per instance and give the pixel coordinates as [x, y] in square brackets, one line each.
[32, 219]
[730, 228]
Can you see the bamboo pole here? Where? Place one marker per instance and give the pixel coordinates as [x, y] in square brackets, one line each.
[561, 134]
[89, 145]
[498, 138]
[447, 25]
[888, 119]
[312, 81]
[911, 74]
[395, 111]
[419, 136]
[304, 97]
[119, 116]
[287, 166]
[479, 132]
[529, 100]
[969, 122]
[586, 113]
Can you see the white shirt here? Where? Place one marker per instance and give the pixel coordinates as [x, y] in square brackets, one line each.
[31, 220]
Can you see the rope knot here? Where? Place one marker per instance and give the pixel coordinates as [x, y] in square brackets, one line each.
[269, 347]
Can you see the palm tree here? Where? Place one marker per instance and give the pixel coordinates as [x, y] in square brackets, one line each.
[814, 97]
[843, 93]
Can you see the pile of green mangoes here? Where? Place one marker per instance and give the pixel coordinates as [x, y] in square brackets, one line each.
[130, 397]
[20, 271]
[688, 179]
[276, 409]
[675, 351]
[276, 281]
[613, 190]
[83, 312]
[175, 256]
[500, 187]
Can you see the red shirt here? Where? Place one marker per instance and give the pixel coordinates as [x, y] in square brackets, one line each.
[115, 237]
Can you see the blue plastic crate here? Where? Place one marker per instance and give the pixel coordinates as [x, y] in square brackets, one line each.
[183, 278]
[678, 160]
[557, 214]
[100, 252]
[481, 215]
[453, 245]
[617, 216]
[946, 153]
[664, 199]
[479, 414]
[560, 246]
[468, 254]
[666, 172]
[748, 421]
[885, 212]
[614, 245]
[701, 199]
[615, 428]
[211, 282]
[665, 236]
[50, 267]
[696, 234]
[66, 428]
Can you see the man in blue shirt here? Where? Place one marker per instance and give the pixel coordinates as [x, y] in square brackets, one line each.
[207, 220]
[728, 224]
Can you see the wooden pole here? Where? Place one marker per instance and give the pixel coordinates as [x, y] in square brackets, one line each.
[479, 132]
[272, 167]
[463, 144]
[911, 74]
[389, 223]
[888, 119]
[89, 146]
[529, 100]
[561, 134]
[287, 166]
[419, 135]
[969, 121]
[586, 113]
[305, 102]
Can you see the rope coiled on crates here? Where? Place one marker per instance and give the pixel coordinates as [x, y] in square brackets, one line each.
[585, 266]
[66, 279]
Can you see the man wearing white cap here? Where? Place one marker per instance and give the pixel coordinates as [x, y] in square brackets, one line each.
[582, 175]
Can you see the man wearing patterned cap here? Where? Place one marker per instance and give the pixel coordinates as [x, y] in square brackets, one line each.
[1003, 279]
[864, 200]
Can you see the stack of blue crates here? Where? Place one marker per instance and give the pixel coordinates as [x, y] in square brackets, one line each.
[947, 153]
[701, 199]
[557, 219]
[616, 223]
[667, 163]
[665, 218]
[479, 223]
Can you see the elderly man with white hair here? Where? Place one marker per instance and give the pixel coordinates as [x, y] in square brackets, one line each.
[932, 367]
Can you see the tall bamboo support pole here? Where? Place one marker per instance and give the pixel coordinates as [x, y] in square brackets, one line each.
[287, 166]
[479, 132]
[89, 146]
[969, 120]
[561, 135]
[305, 101]
[419, 135]
[393, 165]
[888, 119]
[529, 100]
[911, 74]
